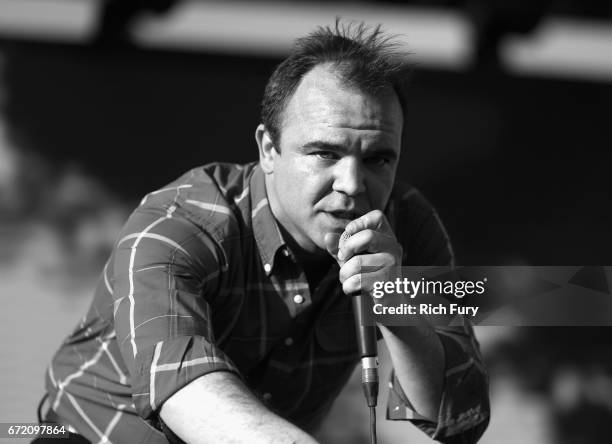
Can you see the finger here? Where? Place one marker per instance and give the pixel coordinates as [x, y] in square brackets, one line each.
[374, 220]
[352, 285]
[361, 282]
[366, 241]
[365, 262]
[364, 282]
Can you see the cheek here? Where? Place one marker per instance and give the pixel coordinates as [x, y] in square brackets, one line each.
[307, 183]
[308, 192]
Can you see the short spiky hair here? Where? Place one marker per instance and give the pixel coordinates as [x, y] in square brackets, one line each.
[363, 57]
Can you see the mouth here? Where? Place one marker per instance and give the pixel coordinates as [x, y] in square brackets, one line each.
[344, 215]
[337, 220]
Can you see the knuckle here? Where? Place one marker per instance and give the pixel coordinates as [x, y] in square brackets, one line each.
[377, 214]
[346, 287]
[352, 284]
[348, 269]
[377, 218]
[373, 240]
[347, 253]
[369, 235]
[354, 226]
[358, 263]
[344, 274]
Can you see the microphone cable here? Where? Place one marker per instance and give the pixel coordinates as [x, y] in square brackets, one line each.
[372, 425]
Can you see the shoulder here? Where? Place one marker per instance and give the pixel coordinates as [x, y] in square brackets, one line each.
[195, 215]
[205, 195]
[199, 205]
[211, 181]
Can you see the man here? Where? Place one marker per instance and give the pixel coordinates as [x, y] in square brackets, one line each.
[223, 315]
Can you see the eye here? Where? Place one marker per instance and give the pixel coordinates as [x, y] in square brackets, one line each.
[326, 155]
[377, 160]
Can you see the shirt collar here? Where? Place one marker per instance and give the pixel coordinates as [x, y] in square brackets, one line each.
[265, 228]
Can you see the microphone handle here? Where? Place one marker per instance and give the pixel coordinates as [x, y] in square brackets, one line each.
[366, 334]
[366, 344]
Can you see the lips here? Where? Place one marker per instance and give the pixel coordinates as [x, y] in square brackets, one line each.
[337, 220]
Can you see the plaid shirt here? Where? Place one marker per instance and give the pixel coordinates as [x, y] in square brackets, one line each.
[202, 281]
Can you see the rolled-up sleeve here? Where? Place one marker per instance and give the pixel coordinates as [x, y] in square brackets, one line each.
[463, 414]
[165, 270]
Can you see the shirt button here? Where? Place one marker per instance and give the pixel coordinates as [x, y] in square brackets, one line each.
[267, 396]
[298, 298]
[267, 267]
[289, 342]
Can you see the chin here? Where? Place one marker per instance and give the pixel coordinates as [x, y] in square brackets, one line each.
[316, 242]
[317, 245]
[332, 224]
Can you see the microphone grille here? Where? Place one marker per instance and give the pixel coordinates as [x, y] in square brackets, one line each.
[344, 236]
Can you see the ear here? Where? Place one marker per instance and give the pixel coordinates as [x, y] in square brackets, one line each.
[267, 151]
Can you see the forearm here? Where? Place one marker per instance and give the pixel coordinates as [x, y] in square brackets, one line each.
[418, 359]
[219, 408]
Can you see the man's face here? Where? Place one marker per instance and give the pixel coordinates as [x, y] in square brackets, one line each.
[339, 150]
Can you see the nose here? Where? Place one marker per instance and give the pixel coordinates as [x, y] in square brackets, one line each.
[349, 176]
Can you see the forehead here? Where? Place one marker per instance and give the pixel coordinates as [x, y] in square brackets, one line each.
[324, 103]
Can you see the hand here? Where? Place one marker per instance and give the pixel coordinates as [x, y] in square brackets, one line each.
[416, 352]
[371, 244]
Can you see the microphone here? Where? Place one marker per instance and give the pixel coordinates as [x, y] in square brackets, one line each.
[366, 345]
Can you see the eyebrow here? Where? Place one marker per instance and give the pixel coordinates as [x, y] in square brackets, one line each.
[319, 144]
[337, 147]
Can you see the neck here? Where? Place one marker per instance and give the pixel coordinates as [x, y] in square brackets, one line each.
[305, 257]
[315, 264]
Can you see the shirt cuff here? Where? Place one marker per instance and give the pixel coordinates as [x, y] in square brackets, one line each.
[463, 414]
[170, 365]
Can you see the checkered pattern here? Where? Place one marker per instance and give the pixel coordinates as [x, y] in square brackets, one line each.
[202, 281]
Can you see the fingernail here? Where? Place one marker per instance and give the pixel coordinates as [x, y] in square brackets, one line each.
[340, 255]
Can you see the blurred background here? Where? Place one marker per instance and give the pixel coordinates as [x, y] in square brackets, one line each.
[509, 135]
